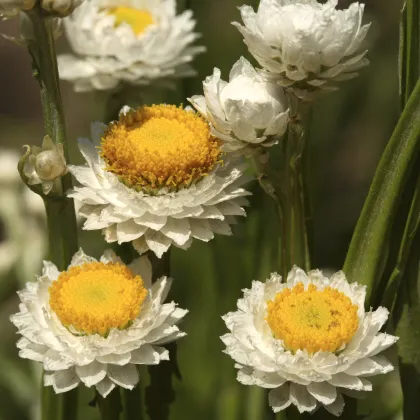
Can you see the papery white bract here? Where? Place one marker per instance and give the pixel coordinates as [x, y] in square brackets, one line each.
[305, 44]
[245, 112]
[71, 357]
[156, 220]
[307, 379]
[131, 41]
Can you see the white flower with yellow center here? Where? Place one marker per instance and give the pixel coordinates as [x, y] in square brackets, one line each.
[157, 180]
[305, 44]
[309, 340]
[131, 41]
[245, 112]
[95, 322]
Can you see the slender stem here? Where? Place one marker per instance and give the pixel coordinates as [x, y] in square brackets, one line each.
[49, 402]
[61, 219]
[266, 176]
[110, 407]
[160, 393]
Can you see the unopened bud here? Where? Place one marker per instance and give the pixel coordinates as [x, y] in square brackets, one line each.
[45, 165]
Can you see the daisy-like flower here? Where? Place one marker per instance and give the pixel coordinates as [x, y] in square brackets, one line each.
[157, 179]
[245, 112]
[131, 41]
[45, 165]
[305, 44]
[96, 321]
[309, 340]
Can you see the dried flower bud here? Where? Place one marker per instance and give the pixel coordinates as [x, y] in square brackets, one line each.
[45, 165]
[60, 8]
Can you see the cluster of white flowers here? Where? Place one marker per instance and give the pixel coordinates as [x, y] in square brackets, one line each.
[162, 176]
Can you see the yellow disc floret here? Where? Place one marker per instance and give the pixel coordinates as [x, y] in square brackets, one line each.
[138, 19]
[95, 297]
[160, 146]
[312, 319]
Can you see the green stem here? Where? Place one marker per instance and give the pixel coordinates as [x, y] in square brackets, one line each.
[61, 219]
[365, 259]
[110, 407]
[160, 393]
[49, 402]
[265, 176]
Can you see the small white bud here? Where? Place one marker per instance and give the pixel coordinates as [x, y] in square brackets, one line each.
[45, 165]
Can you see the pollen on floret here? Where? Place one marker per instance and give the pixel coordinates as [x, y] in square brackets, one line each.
[160, 146]
[94, 298]
[138, 19]
[312, 319]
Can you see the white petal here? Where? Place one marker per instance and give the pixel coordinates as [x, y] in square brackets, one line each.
[125, 376]
[92, 373]
[149, 355]
[115, 359]
[323, 392]
[178, 230]
[62, 380]
[80, 258]
[142, 267]
[343, 380]
[50, 270]
[157, 242]
[337, 407]
[279, 398]
[105, 387]
[301, 398]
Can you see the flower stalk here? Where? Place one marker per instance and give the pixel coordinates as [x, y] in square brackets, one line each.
[61, 219]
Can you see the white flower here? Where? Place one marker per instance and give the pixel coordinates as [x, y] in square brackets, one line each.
[245, 112]
[305, 44]
[45, 165]
[160, 181]
[10, 8]
[95, 322]
[131, 41]
[309, 340]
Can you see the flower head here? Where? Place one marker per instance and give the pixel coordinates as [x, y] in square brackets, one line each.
[132, 41]
[305, 44]
[309, 340]
[45, 165]
[95, 322]
[157, 179]
[245, 112]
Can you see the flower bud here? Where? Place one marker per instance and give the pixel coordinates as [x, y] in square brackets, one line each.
[60, 8]
[45, 165]
[245, 112]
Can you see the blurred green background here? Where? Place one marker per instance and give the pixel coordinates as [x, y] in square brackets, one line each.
[348, 133]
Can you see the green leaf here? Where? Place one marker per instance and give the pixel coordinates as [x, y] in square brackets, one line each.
[365, 258]
[409, 57]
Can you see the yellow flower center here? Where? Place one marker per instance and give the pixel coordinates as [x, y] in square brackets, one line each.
[139, 20]
[312, 319]
[94, 297]
[160, 146]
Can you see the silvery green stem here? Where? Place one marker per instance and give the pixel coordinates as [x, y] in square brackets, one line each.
[61, 219]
